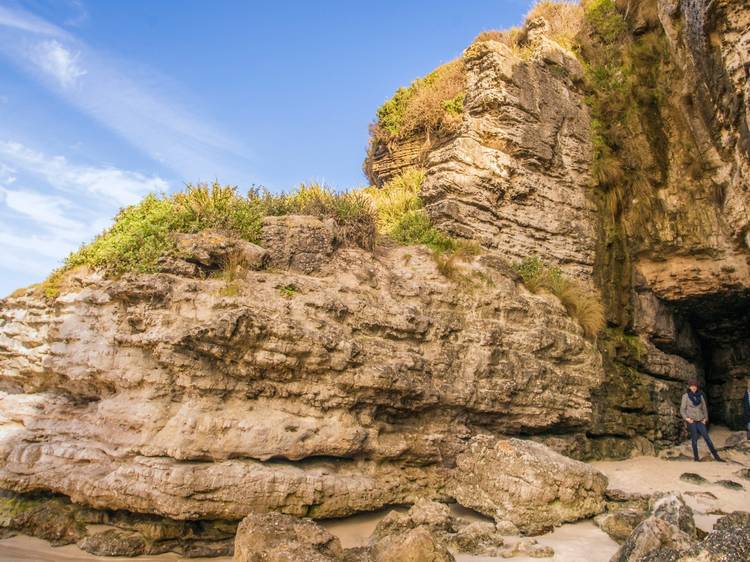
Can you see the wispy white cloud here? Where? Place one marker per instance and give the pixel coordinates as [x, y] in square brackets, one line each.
[141, 106]
[7, 174]
[47, 210]
[26, 21]
[123, 187]
[39, 227]
[35, 255]
[57, 61]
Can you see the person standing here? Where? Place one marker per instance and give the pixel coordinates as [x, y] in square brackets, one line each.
[746, 407]
[694, 411]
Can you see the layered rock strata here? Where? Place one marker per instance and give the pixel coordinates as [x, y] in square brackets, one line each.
[674, 264]
[319, 394]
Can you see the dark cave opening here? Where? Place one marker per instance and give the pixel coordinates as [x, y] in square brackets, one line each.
[722, 324]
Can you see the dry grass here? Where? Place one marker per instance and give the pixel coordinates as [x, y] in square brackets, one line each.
[396, 198]
[565, 21]
[508, 37]
[581, 303]
[18, 293]
[564, 18]
[431, 105]
[233, 268]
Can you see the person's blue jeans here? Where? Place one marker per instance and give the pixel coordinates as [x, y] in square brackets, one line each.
[696, 429]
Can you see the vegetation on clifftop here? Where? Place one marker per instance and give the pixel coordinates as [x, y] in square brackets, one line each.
[142, 233]
[431, 105]
[564, 20]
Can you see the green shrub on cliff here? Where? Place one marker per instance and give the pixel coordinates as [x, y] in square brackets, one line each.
[431, 105]
[626, 76]
[401, 217]
[142, 233]
[581, 303]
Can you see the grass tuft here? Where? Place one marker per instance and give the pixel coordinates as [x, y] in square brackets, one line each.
[288, 291]
[400, 216]
[142, 234]
[581, 303]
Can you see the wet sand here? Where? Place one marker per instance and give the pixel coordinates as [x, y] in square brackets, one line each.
[578, 542]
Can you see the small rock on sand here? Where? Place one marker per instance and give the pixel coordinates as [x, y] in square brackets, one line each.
[693, 478]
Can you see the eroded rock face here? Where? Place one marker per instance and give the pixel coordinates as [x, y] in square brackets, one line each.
[516, 177]
[669, 535]
[274, 537]
[57, 520]
[314, 395]
[526, 483]
[481, 538]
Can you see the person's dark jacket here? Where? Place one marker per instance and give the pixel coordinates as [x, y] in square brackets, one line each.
[746, 405]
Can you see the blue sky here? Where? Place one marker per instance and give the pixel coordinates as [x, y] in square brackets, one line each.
[103, 101]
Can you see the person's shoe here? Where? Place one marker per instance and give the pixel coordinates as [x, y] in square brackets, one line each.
[717, 458]
[696, 460]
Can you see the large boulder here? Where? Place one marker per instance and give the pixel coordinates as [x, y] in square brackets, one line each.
[212, 250]
[652, 536]
[527, 483]
[670, 535]
[414, 545]
[275, 537]
[299, 242]
[457, 533]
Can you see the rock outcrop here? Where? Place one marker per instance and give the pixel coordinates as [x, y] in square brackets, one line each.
[527, 484]
[516, 178]
[57, 520]
[274, 537]
[315, 395]
[669, 535]
[672, 258]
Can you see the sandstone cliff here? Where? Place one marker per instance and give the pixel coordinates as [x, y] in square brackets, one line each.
[326, 377]
[662, 232]
[344, 389]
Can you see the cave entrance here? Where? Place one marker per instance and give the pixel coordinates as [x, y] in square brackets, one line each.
[722, 324]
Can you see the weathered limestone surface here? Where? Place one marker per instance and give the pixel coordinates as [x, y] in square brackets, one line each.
[526, 483]
[274, 537]
[317, 394]
[387, 161]
[669, 535]
[516, 177]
